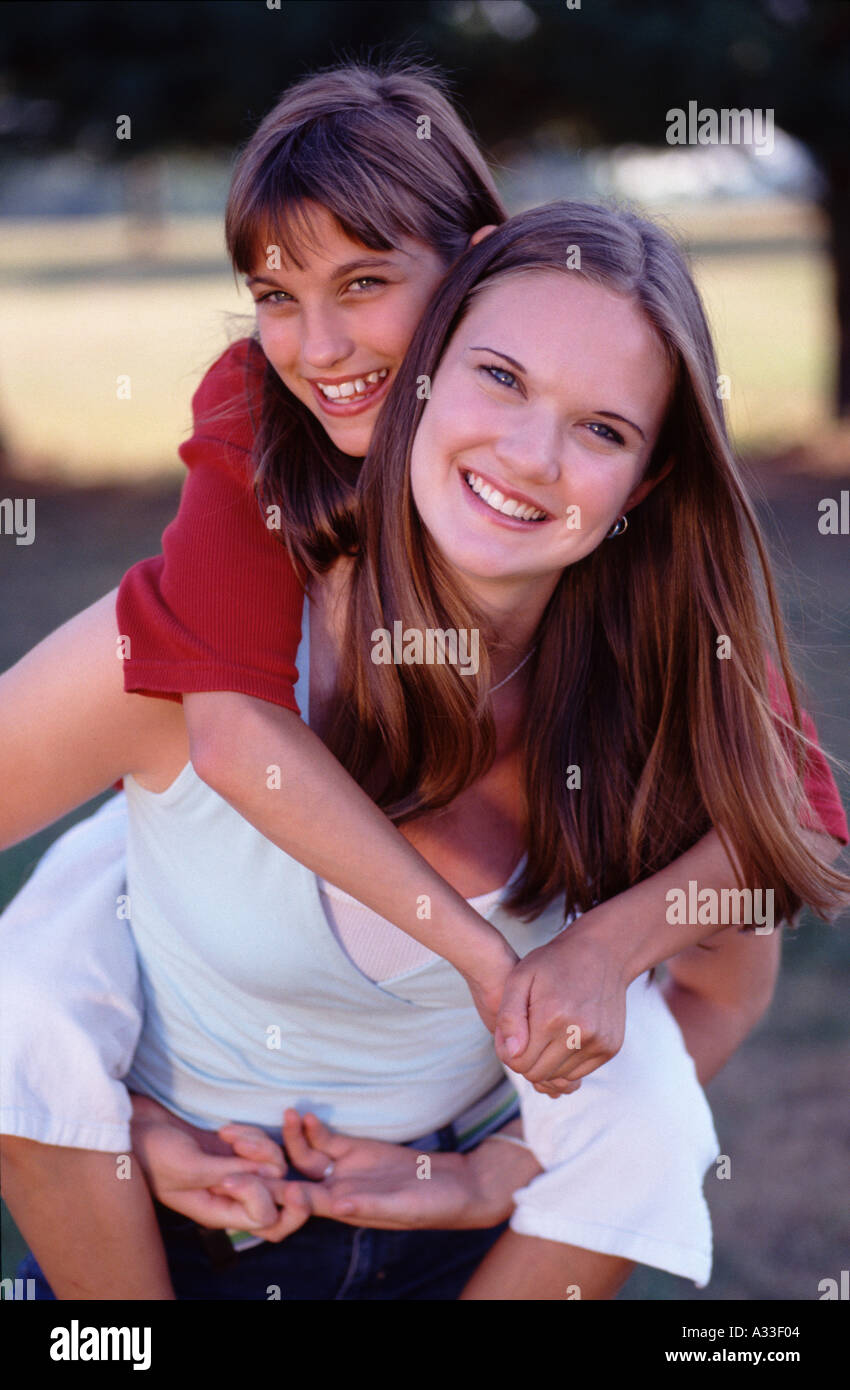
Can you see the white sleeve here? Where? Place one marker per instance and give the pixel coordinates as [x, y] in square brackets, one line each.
[70, 1000]
[625, 1155]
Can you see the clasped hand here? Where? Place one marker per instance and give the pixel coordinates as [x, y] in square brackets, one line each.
[560, 1012]
[236, 1178]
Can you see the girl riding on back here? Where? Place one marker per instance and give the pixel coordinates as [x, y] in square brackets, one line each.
[217, 619]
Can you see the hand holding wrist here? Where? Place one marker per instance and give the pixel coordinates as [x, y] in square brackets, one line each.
[481, 954]
[487, 975]
[607, 927]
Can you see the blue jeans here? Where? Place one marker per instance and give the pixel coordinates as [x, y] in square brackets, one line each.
[324, 1260]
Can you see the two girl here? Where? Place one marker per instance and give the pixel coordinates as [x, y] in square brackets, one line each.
[593, 658]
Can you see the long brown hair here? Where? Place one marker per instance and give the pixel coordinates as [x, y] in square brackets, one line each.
[625, 683]
[381, 147]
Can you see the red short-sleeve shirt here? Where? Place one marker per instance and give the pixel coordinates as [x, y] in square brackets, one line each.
[220, 608]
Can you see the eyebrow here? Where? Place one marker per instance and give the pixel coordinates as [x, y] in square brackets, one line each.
[337, 274]
[499, 353]
[608, 414]
[360, 264]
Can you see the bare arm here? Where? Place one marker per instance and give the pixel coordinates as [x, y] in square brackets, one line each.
[69, 730]
[319, 815]
[580, 979]
[646, 937]
[718, 992]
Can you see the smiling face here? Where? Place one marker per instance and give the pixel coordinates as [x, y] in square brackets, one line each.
[336, 328]
[542, 420]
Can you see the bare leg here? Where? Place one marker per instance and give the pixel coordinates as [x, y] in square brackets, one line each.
[93, 1232]
[527, 1269]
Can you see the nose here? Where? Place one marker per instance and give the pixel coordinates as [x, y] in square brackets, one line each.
[531, 449]
[325, 341]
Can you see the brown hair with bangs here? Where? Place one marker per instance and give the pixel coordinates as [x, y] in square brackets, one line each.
[348, 140]
[625, 682]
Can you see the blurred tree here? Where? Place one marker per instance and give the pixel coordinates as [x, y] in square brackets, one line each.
[201, 74]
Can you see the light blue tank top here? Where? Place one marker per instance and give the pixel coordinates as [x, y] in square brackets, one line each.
[252, 1005]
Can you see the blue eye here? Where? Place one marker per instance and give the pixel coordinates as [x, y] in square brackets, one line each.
[613, 435]
[499, 374]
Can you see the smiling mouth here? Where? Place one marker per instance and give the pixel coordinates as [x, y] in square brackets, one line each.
[354, 390]
[501, 502]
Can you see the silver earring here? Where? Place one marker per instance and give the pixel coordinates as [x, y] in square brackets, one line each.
[618, 528]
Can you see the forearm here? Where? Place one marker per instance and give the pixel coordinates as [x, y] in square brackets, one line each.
[278, 774]
[718, 992]
[89, 1221]
[69, 730]
[636, 924]
[711, 1031]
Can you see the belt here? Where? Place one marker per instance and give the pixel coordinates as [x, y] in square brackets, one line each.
[494, 1110]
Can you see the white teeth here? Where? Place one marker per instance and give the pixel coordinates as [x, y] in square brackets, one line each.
[357, 386]
[508, 506]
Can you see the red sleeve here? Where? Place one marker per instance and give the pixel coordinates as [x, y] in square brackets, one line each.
[824, 810]
[220, 608]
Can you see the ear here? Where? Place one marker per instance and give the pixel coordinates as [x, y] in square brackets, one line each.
[481, 233]
[643, 489]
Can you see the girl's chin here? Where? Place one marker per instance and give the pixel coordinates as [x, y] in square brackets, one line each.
[354, 441]
[476, 564]
[351, 437]
[354, 451]
[485, 567]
